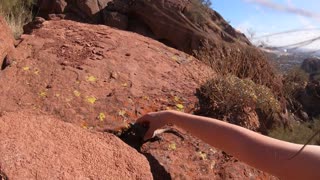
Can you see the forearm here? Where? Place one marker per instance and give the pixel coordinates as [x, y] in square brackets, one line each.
[260, 151]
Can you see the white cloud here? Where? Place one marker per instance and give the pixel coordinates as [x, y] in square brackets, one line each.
[289, 8]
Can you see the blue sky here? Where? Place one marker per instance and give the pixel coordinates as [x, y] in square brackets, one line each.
[268, 16]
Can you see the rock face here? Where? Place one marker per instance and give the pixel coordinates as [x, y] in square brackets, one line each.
[90, 10]
[182, 24]
[115, 19]
[311, 65]
[76, 70]
[310, 98]
[36, 146]
[6, 42]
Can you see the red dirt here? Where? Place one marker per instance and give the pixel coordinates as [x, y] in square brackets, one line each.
[99, 78]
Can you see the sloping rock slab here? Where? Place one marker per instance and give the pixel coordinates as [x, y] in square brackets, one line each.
[96, 76]
[35, 146]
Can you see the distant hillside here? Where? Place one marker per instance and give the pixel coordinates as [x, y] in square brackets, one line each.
[285, 61]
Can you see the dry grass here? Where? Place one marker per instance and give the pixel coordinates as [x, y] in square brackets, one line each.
[245, 62]
[197, 13]
[294, 80]
[294, 83]
[240, 60]
[17, 13]
[228, 97]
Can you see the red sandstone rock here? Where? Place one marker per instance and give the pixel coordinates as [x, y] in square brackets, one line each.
[170, 21]
[37, 146]
[6, 40]
[100, 78]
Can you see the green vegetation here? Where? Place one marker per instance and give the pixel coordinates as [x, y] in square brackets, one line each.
[298, 132]
[17, 13]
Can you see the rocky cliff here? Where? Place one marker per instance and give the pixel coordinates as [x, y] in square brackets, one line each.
[182, 24]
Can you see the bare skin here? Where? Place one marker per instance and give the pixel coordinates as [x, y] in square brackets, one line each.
[262, 152]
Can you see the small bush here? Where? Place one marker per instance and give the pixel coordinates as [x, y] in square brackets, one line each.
[295, 80]
[298, 132]
[294, 83]
[230, 95]
[197, 12]
[243, 62]
[17, 13]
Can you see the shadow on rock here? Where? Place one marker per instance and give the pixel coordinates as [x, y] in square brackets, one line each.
[157, 170]
[133, 136]
[3, 176]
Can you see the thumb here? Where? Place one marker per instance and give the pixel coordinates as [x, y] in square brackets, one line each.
[149, 134]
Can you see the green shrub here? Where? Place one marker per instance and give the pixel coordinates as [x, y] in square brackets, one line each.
[298, 132]
[230, 95]
[17, 13]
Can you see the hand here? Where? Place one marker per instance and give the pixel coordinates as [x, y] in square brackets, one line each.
[154, 121]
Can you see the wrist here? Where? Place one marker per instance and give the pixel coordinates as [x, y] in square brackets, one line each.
[170, 117]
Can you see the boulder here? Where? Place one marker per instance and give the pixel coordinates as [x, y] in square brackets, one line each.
[6, 41]
[35, 146]
[47, 7]
[92, 8]
[115, 19]
[35, 24]
[310, 98]
[86, 10]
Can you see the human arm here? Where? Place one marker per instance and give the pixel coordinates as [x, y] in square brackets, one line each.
[262, 152]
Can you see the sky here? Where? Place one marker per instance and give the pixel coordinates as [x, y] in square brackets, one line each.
[265, 17]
